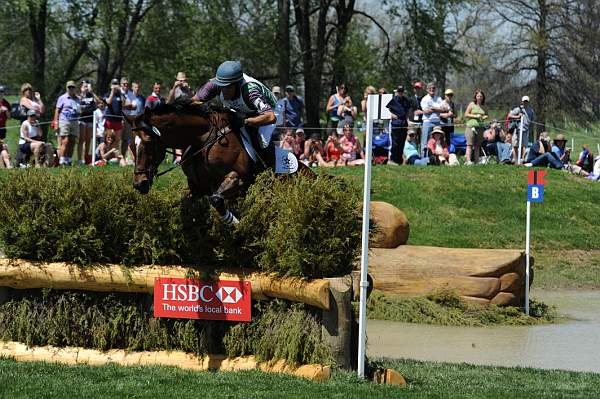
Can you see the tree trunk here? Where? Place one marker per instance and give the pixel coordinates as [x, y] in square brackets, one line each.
[541, 80]
[344, 17]
[283, 42]
[312, 58]
[38, 18]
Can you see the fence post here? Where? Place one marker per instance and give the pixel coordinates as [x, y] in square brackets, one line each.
[94, 121]
[520, 141]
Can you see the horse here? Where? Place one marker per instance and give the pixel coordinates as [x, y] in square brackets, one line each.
[215, 161]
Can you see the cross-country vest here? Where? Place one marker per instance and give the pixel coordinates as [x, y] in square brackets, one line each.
[249, 84]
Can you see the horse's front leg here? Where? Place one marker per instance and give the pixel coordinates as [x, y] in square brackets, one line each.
[230, 187]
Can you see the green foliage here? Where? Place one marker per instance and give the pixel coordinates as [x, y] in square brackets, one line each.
[87, 217]
[282, 332]
[279, 330]
[295, 226]
[445, 307]
[301, 226]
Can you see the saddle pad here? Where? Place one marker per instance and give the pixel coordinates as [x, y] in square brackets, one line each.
[285, 161]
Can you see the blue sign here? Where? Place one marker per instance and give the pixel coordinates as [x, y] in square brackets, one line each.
[535, 192]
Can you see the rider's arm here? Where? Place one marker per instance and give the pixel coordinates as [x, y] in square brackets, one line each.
[206, 92]
[263, 119]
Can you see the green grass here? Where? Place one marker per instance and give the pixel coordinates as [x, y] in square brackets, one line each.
[425, 380]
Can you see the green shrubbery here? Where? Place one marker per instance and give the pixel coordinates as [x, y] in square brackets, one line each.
[445, 307]
[279, 330]
[295, 226]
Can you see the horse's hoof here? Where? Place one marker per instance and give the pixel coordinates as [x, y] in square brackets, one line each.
[218, 203]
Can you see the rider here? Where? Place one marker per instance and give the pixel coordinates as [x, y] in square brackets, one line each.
[253, 102]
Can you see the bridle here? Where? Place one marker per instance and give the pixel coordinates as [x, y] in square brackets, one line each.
[154, 133]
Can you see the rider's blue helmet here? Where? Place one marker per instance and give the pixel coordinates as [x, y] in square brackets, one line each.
[228, 72]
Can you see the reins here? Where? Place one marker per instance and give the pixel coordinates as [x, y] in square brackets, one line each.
[220, 134]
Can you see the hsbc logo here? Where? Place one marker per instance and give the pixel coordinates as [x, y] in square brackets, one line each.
[229, 295]
[201, 299]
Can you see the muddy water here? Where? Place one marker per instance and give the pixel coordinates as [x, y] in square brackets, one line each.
[571, 345]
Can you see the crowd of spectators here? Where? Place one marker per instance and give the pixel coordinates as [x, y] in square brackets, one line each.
[424, 128]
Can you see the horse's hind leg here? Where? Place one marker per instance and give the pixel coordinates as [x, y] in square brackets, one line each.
[231, 185]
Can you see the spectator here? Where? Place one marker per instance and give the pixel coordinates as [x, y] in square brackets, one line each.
[155, 99]
[108, 151]
[559, 150]
[399, 107]
[382, 90]
[30, 100]
[528, 114]
[88, 106]
[4, 113]
[288, 141]
[277, 92]
[294, 107]
[30, 136]
[382, 144]
[333, 150]
[363, 102]
[352, 152]
[411, 155]
[586, 159]
[180, 88]
[432, 105]
[595, 175]
[439, 148]
[497, 142]
[541, 153]
[113, 118]
[4, 156]
[132, 108]
[100, 112]
[347, 113]
[475, 116]
[313, 151]
[300, 141]
[66, 118]
[448, 116]
[416, 116]
[335, 100]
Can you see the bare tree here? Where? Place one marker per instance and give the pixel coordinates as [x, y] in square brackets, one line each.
[530, 53]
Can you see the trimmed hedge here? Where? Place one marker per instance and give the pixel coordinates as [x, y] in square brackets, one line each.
[279, 330]
[294, 226]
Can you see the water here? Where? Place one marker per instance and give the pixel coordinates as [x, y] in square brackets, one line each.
[571, 345]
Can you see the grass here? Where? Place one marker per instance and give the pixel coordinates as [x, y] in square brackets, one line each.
[425, 380]
[447, 309]
[485, 206]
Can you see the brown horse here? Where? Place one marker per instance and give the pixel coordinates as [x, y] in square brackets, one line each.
[214, 161]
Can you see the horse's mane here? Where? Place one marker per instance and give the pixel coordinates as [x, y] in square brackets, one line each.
[185, 105]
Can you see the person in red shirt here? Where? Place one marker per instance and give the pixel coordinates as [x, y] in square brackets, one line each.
[155, 99]
[4, 112]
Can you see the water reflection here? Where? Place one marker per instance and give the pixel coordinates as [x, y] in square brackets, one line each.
[573, 345]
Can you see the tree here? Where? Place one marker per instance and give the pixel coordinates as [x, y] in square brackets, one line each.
[530, 52]
[283, 42]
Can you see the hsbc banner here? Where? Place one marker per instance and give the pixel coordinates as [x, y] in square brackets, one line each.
[186, 298]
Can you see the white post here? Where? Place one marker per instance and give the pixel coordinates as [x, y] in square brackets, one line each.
[364, 259]
[527, 230]
[94, 121]
[520, 141]
[572, 143]
[598, 150]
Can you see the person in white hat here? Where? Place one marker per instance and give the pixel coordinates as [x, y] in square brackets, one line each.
[528, 114]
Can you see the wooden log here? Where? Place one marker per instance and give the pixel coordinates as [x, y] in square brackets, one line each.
[24, 274]
[391, 225]
[74, 355]
[336, 327]
[472, 273]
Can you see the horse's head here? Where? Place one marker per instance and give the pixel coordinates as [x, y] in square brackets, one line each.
[150, 152]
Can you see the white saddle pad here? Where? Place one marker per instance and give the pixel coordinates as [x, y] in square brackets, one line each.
[285, 161]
